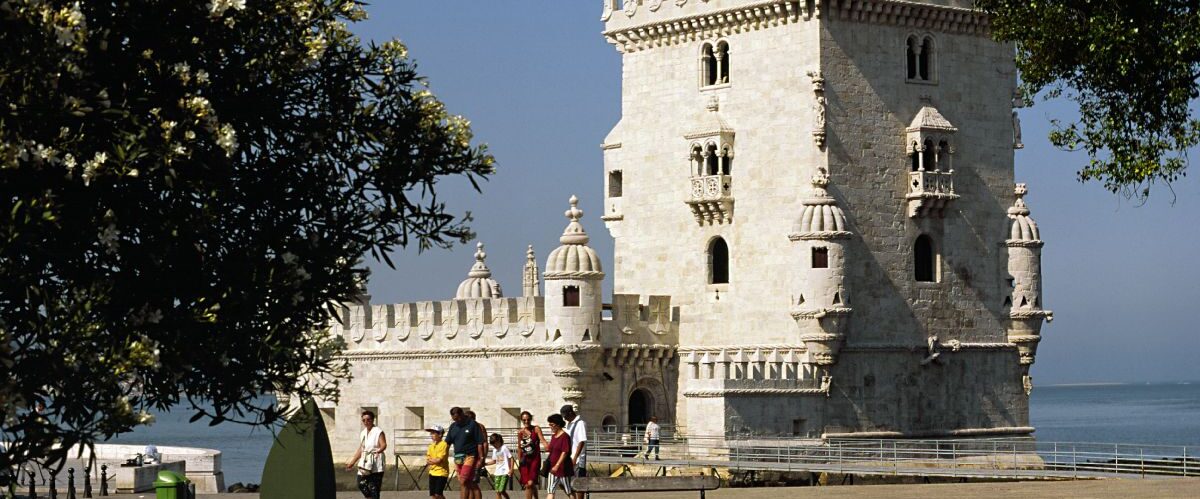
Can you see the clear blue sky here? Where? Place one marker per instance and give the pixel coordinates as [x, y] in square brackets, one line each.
[542, 89]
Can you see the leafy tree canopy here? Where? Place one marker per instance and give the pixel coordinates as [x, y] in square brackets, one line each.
[1132, 68]
[185, 189]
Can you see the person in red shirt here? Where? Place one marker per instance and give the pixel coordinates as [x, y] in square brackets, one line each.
[561, 466]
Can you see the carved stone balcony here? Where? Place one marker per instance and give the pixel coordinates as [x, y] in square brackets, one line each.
[929, 192]
[711, 199]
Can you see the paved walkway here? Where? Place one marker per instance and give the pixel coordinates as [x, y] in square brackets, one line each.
[1090, 489]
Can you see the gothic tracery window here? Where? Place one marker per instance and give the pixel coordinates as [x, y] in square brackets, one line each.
[714, 64]
[920, 58]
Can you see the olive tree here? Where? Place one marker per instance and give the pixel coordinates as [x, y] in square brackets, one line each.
[1131, 67]
[186, 189]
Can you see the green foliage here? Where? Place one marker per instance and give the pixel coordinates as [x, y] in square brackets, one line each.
[185, 189]
[1131, 67]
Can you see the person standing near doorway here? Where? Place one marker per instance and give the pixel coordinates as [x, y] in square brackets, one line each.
[577, 430]
[653, 437]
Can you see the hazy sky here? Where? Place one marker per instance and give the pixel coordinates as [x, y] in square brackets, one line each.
[542, 89]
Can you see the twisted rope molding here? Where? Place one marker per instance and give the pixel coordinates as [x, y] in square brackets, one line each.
[467, 352]
[744, 392]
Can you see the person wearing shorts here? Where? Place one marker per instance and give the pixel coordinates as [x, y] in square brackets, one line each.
[503, 459]
[468, 445]
[437, 458]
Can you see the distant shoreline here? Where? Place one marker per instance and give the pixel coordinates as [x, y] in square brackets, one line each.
[1119, 383]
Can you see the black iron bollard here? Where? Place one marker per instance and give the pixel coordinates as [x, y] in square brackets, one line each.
[71, 483]
[53, 486]
[103, 480]
[32, 485]
[87, 482]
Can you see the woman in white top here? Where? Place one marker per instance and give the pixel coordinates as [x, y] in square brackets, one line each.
[369, 457]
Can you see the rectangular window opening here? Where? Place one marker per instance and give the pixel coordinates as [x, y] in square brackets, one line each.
[820, 258]
[570, 296]
[614, 184]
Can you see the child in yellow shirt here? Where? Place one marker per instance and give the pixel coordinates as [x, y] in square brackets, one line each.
[437, 458]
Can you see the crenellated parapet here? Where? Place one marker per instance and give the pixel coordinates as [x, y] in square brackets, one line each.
[458, 322]
[641, 320]
[752, 370]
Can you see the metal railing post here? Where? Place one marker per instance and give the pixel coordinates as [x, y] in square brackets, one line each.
[1185, 461]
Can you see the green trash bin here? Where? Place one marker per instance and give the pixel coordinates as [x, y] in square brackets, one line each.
[171, 485]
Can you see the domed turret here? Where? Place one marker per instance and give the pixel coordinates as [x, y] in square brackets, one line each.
[820, 304]
[572, 277]
[1024, 293]
[479, 283]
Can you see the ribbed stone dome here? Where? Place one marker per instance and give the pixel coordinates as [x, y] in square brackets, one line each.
[574, 259]
[1023, 226]
[822, 218]
[479, 283]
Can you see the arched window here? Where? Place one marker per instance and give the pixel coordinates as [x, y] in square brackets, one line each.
[718, 262]
[727, 156]
[710, 160]
[722, 54]
[930, 156]
[697, 160]
[708, 66]
[924, 259]
[943, 155]
[911, 47]
[926, 57]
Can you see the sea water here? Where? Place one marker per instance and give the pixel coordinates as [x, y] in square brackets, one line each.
[1160, 414]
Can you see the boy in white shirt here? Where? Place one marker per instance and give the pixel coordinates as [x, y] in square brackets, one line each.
[503, 459]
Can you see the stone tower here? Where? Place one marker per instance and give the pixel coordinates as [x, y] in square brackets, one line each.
[874, 164]
[573, 278]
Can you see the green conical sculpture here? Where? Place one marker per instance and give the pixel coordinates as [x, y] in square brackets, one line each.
[300, 465]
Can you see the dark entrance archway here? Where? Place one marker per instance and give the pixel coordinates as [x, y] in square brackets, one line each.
[641, 403]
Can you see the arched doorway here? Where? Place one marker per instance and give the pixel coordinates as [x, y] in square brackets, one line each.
[641, 403]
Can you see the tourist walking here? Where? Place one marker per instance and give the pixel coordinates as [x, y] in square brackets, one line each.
[437, 457]
[577, 430]
[480, 472]
[369, 457]
[561, 468]
[468, 444]
[530, 443]
[502, 458]
[653, 437]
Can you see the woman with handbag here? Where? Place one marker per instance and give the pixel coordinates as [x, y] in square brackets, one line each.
[530, 443]
[369, 457]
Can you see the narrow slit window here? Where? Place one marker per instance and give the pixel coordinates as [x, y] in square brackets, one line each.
[570, 296]
[820, 258]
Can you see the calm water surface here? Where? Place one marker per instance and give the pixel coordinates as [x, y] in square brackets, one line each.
[1167, 414]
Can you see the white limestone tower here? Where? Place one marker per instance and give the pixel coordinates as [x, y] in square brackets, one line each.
[821, 304]
[573, 278]
[1025, 282]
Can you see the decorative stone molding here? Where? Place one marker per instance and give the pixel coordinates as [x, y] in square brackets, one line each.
[818, 86]
[921, 16]
[568, 372]
[752, 392]
[466, 352]
[1027, 383]
[572, 394]
[749, 17]
[634, 354]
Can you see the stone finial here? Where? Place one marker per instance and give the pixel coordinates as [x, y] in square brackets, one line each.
[480, 268]
[820, 181]
[574, 233]
[530, 275]
[529, 256]
[1019, 208]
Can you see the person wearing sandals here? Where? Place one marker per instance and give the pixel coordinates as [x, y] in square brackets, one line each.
[561, 466]
[369, 457]
[530, 443]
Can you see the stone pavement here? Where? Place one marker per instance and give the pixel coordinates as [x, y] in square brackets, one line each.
[1089, 489]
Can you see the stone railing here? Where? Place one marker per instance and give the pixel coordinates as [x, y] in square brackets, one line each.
[929, 192]
[711, 199]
